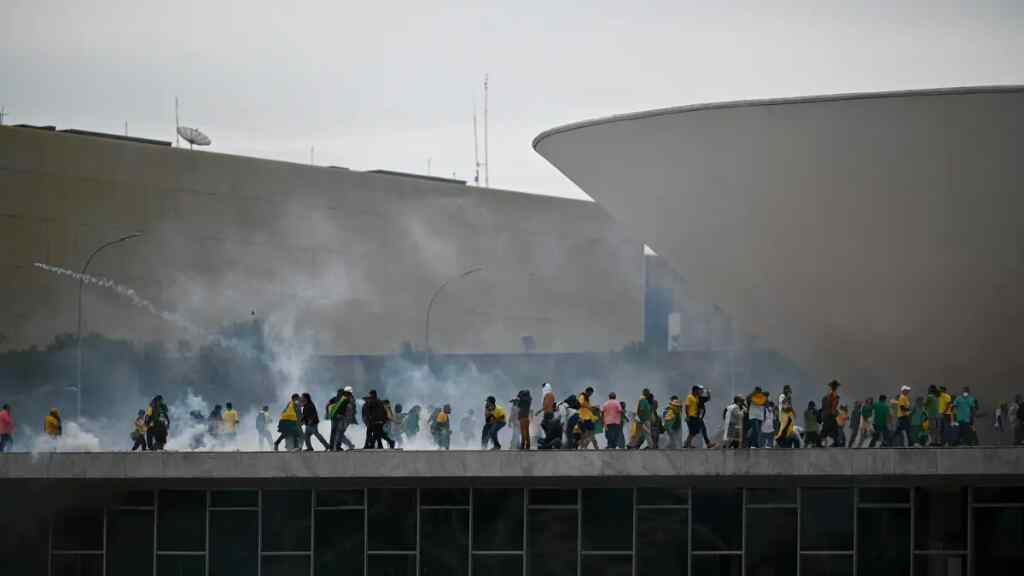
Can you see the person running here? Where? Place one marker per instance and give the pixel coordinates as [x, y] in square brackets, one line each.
[642, 421]
[611, 413]
[441, 428]
[965, 407]
[345, 415]
[139, 431]
[288, 425]
[812, 426]
[375, 415]
[756, 403]
[879, 420]
[673, 422]
[158, 423]
[693, 420]
[230, 423]
[787, 434]
[494, 420]
[829, 411]
[331, 413]
[523, 402]
[6, 429]
[263, 427]
[587, 418]
[732, 424]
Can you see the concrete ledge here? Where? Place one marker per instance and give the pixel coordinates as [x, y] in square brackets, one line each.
[969, 463]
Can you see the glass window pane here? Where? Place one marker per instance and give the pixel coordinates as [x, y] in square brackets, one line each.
[498, 565]
[234, 499]
[826, 519]
[663, 496]
[662, 541]
[339, 542]
[717, 564]
[135, 498]
[392, 564]
[29, 537]
[771, 495]
[940, 518]
[287, 520]
[999, 494]
[334, 498]
[884, 495]
[77, 565]
[234, 542]
[129, 542]
[497, 519]
[176, 565]
[717, 519]
[552, 541]
[392, 520]
[553, 497]
[285, 565]
[444, 548]
[606, 565]
[771, 541]
[444, 497]
[818, 565]
[78, 530]
[998, 539]
[883, 541]
[939, 565]
[607, 519]
[181, 524]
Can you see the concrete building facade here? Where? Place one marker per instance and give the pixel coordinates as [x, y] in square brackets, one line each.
[345, 260]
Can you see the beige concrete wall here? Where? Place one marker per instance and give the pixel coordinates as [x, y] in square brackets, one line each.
[875, 238]
[346, 259]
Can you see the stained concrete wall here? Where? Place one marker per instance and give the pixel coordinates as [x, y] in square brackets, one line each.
[347, 259]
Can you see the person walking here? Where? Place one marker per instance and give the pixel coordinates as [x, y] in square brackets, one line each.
[858, 406]
[311, 422]
[965, 407]
[919, 423]
[523, 402]
[673, 422]
[441, 428]
[263, 427]
[693, 420]
[787, 435]
[139, 431]
[331, 412]
[641, 422]
[6, 429]
[611, 413]
[230, 422]
[494, 420]
[411, 424]
[52, 425]
[345, 416]
[865, 427]
[946, 432]
[1016, 412]
[732, 424]
[931, 408]
[158, 423]
[288, 425]
[587, 418]
[376, 417]
[769, 426]
[880, 418]
[812, 425]
[902, 433]
[829, 411]
[756, 403]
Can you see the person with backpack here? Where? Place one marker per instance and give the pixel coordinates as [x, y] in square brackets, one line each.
[330, 410]
[642, 421]
[311, 421]
[411, 424]
[158, 421]
[693, 420]
[441, 429]
[672, 420]
[523, 402]
[494, 420]
[829, 411]
[375, 415]
[343, 416]
[812, 425]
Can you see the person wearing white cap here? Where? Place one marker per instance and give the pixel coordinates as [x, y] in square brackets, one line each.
[903, 418]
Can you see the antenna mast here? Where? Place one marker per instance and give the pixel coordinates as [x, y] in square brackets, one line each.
[177, 124]
[487, 159]
[476, 148]
[3, 112]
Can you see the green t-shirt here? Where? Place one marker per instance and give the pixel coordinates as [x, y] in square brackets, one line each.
[810, 420]
[931, 406]
[643, 410]
[880, 413]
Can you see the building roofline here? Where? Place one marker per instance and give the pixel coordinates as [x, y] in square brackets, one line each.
[672, 110]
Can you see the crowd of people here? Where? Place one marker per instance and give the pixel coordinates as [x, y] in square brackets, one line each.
[757, 420]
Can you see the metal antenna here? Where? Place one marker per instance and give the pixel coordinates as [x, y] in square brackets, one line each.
[3, 112]
[125, 127]
[311, 149]
[487, 159]
[428, 166]
[476, 148]
[177, 124]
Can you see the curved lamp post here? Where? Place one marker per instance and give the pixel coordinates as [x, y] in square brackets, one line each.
[426, 328]
[78, 338]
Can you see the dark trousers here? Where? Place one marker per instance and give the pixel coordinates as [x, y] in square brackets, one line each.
[376, 435]
[490, 434]
[140, 442]
[754, 432]
[879, 436]
[811, 438]
[903, 432]
[338, 437]
[613, 434]
[5, 442]
[830, 429]
[524, 433]
[311, 431]
[334, 435]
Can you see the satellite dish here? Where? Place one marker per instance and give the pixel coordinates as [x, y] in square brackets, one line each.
[193, 136]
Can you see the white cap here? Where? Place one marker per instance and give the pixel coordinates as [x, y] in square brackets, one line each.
[905, 389]
[348, 388]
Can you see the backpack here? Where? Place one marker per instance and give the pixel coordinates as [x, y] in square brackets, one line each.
[572, 402]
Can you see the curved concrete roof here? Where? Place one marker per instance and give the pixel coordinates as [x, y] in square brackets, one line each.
[872, 237]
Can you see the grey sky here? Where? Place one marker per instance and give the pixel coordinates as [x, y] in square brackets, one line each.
[390, 84]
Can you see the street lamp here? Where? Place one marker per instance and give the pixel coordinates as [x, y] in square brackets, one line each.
[78, 338]
[426, 328]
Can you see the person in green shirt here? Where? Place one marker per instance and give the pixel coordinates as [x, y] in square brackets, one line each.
[880, 419]
[811, 426]
[931, 408]
[919, 423]
[642, 424]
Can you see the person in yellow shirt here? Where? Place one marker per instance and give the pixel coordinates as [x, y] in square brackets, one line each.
[229, 424]
[946, 410]
[441, 428]
[903, 417]
[288, 425]
[139, 432]
[693, 422]
[494, 420]
[587, 420]
[786, 436]
[52, 425]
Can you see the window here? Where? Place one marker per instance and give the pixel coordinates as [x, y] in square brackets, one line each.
[78, 530]
[444, 497]
[181, 522]
[552, 497]
[826, 519]
[717, 564]
[717, 519]
[339, 542]
[339, 498]
[771, 496]
[607, 519]
[234, 542]
[883, 540]
[130, 542]
[444, 541]
[498, 564]
[940, 565]
[771, 540]
[552, 542]
[940, 518]
[662, 540]
[77, 565]
[998, 534]
[392, 519]
[999, 495]
[886, 495]
[284, 565]
[607, 565]
[234, 499]
[287, 520]
[497, 519]
[827, 565]
[392, 564]
[663, 496]
[181, 565]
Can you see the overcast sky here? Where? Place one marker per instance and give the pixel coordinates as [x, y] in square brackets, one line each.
[391, 84]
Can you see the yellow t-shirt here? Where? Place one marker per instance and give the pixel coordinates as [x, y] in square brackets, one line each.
[499, 413]
[51, 426]
[586, 413]
[692, 405]
[945, 403]
[903, 405]
[442, 417]
[230, 420]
